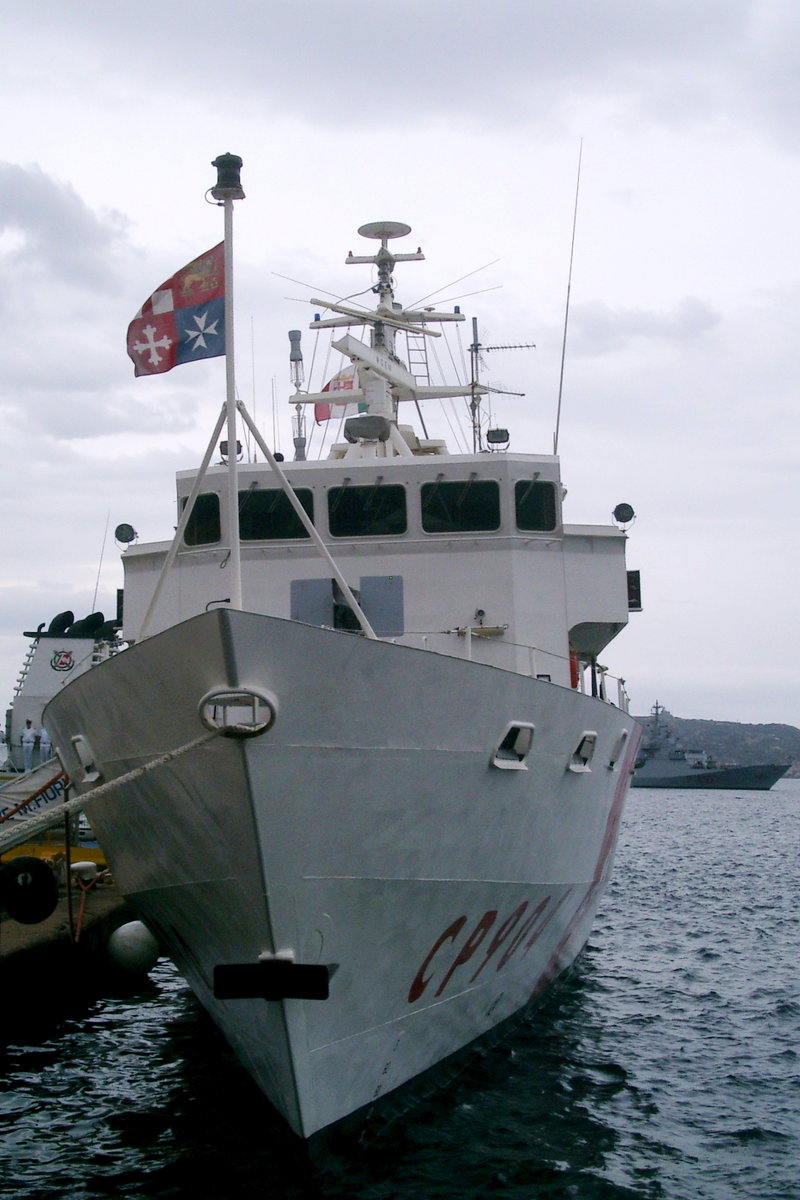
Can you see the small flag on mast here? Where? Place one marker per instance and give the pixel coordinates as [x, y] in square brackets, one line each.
[345, 381]
[184, 319]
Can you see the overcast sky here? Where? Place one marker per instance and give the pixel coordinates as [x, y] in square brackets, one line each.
[465, 121]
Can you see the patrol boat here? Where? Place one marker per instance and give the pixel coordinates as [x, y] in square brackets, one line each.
[370, 809]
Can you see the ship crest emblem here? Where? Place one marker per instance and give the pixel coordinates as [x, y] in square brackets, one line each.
[62, 660]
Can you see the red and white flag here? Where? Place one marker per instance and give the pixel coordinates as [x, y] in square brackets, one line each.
[345, 381]
[184, 319]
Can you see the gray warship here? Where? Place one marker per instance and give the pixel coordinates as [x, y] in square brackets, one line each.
[662, 762]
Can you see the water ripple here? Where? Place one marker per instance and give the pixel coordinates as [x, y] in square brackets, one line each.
[664, 1068]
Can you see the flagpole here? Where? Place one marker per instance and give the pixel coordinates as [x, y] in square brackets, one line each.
[227, 189]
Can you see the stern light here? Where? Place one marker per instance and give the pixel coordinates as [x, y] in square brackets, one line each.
[229, 183]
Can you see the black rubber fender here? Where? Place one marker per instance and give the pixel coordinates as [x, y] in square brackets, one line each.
[88, 626]
[28, 889]
[61, 622]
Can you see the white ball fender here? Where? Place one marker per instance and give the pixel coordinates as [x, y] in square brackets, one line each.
[132, 947]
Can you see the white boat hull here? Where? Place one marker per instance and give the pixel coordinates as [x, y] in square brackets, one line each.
[368, 830]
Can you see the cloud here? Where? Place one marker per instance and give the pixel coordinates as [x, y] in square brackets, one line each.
[599, 329]
[75, 273]
[67, 264]
[47, 229]
[346, 63]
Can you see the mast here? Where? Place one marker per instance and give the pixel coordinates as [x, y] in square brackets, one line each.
[475, 402]
[382, 379]
[384, 321]
[227, 189]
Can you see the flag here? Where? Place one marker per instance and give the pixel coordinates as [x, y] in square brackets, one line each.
[345, 381]
[183, 320]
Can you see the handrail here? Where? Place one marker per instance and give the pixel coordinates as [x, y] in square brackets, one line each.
[623, 700]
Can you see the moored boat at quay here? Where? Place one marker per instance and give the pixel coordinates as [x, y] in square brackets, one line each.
[32, 780]
[55, 655]
[368, 802]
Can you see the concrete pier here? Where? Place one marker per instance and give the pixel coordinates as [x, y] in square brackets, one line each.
[64, 955]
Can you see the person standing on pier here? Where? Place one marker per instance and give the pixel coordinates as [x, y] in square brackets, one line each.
[28, 739]
[44, 745]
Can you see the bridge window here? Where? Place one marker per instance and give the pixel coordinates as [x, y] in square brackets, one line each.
[375, 511]
[460, 506]
[535, 504]
[267, 515]
[203, 526]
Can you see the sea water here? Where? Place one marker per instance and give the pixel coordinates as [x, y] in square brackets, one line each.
[664, 1067]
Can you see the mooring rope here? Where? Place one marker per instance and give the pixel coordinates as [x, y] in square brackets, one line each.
[24, 830]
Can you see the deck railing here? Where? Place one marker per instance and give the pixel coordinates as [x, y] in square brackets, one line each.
[600, 680]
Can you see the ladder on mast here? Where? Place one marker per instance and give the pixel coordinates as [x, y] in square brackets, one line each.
[417, 357]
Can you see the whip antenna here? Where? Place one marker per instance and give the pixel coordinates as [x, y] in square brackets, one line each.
[100, 564]
[566, 308]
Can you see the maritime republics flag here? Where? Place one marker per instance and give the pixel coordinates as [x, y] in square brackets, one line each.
[183, 320]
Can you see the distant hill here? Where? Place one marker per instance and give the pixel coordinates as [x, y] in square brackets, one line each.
[734, 742]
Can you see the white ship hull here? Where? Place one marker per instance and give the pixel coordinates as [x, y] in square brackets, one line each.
[368, 831]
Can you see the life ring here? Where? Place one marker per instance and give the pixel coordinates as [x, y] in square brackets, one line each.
[28, 889]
